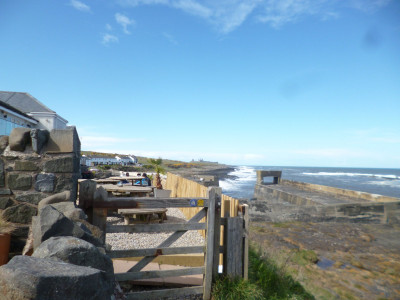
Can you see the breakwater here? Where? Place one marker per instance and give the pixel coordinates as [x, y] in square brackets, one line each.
[284, 200]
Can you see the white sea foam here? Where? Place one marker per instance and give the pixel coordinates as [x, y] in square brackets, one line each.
[243, 175]
[389, 176]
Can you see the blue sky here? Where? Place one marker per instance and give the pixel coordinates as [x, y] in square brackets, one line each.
[256, 82]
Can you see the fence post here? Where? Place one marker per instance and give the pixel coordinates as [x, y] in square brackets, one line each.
[245, 210]
[209, 244]
[217, 233]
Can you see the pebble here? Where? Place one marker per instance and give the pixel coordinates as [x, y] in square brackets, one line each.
[127, 241]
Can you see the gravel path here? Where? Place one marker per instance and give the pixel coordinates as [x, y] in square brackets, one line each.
[126, 241]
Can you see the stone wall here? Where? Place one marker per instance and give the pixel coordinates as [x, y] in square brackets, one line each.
[35, 164]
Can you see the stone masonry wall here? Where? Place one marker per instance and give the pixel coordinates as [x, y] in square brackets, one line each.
[35, 164]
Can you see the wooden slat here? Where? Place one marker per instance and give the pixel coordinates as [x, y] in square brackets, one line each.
[155, 227]
[208, 262]
[217, 231]
[245, 210]
[159, 294]
[168, 242]
[148, 202]
[234, 247]
[155, 251]
[158, 274]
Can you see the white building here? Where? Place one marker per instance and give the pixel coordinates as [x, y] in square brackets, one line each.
[11, 118]
[30, 106]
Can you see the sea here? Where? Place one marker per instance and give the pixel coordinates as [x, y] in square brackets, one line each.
[240, 182]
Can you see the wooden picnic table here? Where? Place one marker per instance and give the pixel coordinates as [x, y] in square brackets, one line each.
[131, 178]
[142, 214]
[138, 191]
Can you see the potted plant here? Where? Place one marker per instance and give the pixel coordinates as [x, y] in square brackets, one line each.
[6, 228]
[157, 165]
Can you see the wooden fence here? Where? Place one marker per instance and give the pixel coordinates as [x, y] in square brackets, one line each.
[96, 204]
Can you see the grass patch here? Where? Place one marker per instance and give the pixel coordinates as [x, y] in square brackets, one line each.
[227, 288]
[304, 257]
[273, 281]
[266, 281]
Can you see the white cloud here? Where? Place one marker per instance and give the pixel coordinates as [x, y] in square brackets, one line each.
[227, 15]
[124, 21]
[108, 27]
[170, 38]
[79, 5]
[109, 38]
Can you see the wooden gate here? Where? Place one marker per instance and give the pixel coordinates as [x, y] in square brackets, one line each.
[208, 212]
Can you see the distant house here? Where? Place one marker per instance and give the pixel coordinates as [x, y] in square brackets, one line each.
[95, 160]
[30, 106]
[11, 118]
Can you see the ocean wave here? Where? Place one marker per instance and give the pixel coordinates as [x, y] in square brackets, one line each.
[382, 176]
[244, 173]
[386, 183]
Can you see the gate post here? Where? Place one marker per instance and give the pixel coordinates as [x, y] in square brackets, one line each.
[217, 233]
[208, 264]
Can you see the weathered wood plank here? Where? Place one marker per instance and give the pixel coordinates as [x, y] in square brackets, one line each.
[217, 233]
[159, 294]
[148, 202]
[246, 242]
[99, 219]
[155, 227]
[158, 274]
[234, 247]
[168, 242]
[155, 251]
[208, 262]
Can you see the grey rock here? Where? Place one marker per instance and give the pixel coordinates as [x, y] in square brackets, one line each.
[75, 251]
[39, 138]
[5, 202]
[70, 211]
[30, 197]
[50, 223]
[25, 165]
[45, 183]
[56, 198]
[19, 181]
[19, 138]
[59, 165]
[5, 192]
[3, 142]
[26, 277]
[2, 174]
[21, 213]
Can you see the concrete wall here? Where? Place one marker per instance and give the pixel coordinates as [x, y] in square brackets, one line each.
[278, 206]
[32, 169]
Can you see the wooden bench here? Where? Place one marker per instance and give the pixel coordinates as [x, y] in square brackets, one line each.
[143, 215]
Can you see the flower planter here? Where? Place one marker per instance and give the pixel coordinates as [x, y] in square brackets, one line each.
[5, 239]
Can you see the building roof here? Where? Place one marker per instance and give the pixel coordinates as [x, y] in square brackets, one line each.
[13, 109]
[24, 102]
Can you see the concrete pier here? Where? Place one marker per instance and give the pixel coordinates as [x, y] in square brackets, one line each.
[285, 200]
